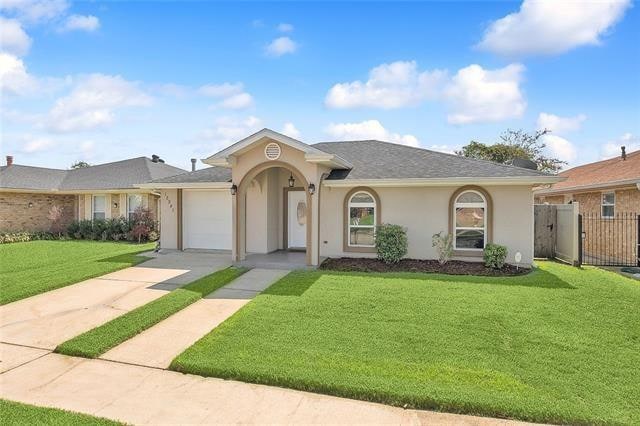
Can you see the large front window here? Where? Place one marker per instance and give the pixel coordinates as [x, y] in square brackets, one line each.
[99, 206]
[134, 201]
[362, 220]
[470, 215]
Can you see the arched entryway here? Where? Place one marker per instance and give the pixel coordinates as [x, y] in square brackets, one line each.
[272, 211]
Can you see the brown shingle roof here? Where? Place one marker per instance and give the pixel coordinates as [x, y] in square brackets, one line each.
[603, 173]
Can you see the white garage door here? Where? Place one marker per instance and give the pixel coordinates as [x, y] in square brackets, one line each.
[206, 219]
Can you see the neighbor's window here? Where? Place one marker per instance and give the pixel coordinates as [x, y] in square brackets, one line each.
[608, 204]
[134, 201]
[99, 204]
[470, 215]
[362, 220]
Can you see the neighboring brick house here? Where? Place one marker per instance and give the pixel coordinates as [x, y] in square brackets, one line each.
[103, 191]
[605, 190]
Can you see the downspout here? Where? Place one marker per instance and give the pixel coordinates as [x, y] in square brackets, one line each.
[322, 177]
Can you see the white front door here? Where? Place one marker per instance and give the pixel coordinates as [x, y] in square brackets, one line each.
[297, 219]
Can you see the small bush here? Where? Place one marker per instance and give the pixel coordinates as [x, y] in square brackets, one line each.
[495, 255]
[391, 243]
[443, 245]
[22, 237]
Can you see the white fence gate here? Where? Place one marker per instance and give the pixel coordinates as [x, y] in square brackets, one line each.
[568, 235]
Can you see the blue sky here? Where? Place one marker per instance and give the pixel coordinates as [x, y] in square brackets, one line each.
[103, 81]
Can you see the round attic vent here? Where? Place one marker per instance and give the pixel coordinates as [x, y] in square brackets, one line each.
[272, 151]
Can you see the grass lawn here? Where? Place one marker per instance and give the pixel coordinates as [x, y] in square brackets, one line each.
[15, 413]
[99, 340]
[558, 345]
[27, 269]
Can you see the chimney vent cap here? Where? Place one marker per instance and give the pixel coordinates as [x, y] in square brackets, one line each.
[9, 160]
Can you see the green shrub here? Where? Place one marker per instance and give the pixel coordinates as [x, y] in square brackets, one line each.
[391, 243]
[495, 255]
[140, 228]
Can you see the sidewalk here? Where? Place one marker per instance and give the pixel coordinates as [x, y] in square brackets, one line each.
[144, 395]
[160, 344]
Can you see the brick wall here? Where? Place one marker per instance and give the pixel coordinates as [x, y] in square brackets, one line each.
[16, 215]
[612, 240]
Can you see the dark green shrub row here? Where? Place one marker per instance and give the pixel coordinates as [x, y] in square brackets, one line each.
[114, 229]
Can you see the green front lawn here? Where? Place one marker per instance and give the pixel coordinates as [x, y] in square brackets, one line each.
[558, 345]
[18, 414]
[27, 269]
[99, 340]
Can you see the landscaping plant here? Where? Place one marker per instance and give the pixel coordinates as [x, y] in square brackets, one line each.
[495, 255]
[443, 245]
[391, 243]
[140, 228]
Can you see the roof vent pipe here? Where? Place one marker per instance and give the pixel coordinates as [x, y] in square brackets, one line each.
[624, 152]
[193, 164]
[155, 158]
[9, 160]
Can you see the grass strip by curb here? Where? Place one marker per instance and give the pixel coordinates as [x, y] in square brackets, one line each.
[99, 340]
[16, 413]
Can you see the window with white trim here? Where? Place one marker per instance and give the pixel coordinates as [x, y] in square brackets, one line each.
[134, 201]
[470, 221]
[99, 204]
[609, 205]
[362, 220]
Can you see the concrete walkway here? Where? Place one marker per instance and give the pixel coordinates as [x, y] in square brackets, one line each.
[143, 395]
[46, 320]
[160, 344]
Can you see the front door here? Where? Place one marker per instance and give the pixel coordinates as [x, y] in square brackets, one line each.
[297, 219]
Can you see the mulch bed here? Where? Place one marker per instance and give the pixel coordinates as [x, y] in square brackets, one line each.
[453, 267]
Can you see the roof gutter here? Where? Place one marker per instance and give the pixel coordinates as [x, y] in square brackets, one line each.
[583, 188]
[524, 180]
[186, 185]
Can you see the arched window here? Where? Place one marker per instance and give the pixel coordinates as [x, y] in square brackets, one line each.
[362, 220]
[470, 221]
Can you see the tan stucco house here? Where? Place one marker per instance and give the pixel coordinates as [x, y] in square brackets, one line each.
[270, 192]
[103, 191]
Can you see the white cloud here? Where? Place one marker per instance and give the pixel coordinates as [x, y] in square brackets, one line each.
[13, 39]
[14, 78]
[285, 28]
[547, 27]
[221, 90]
[229, 129]
[34, 10]
[290, 130]
[93, 101]
[239, 101]
[613, 148]
[560, 125]
[281, 46]
[232, 94]
[80, 23]
[37, 144]
[477, 95]
[394, 85]
[560, 148]
[369, 129]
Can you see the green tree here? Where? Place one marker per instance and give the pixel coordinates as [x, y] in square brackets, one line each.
[515, 144]
[80, 165]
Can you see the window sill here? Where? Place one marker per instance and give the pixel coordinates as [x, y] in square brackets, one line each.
[468, 253]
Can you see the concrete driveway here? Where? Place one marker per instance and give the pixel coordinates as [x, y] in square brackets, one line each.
[46, 320]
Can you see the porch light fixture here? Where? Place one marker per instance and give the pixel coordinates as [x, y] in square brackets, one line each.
[115, 205]
[292, 181]
[30, 205]
[312, 189]
[234, 189]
